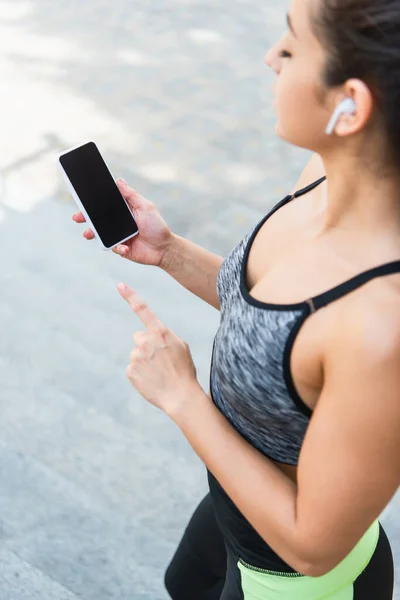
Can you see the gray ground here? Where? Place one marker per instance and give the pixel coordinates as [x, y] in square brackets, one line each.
[95, 484]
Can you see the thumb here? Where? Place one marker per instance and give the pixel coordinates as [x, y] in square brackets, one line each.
[134, 199]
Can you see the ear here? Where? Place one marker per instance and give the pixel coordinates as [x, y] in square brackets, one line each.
[346, 106]
[360, 93]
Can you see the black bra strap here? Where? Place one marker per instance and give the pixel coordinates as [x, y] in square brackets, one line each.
[291, 197]
[309, 187]
[354, 283]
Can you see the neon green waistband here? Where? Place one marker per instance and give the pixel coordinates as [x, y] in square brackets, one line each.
[267, 585]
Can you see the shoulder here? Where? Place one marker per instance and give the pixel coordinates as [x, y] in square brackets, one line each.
[366, 332]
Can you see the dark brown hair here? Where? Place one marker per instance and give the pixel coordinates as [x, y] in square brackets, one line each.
[362, 39]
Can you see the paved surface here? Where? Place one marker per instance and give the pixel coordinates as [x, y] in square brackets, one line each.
[96, 485]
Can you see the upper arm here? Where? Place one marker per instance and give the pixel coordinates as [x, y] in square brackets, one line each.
[349, 466]
[313, 171]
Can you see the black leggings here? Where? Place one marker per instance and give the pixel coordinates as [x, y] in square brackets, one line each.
[198, 568]
[204, 569]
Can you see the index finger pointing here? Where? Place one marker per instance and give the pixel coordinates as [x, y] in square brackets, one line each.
[139, 306]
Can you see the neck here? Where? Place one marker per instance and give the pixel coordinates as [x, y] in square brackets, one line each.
[360, 200]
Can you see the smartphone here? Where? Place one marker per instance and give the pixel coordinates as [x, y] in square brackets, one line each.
[94, 190]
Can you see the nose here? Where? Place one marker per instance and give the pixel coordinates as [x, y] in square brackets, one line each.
[272, 58]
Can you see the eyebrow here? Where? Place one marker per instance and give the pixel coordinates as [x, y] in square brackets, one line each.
[289, 22]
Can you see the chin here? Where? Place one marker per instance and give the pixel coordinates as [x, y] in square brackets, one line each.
[278, 126]
[278, 130]
[293, 140]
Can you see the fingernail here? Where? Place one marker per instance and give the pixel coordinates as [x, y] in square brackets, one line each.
[121, 287]
[122, 181]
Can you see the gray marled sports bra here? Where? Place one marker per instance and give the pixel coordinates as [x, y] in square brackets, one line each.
[251, 381]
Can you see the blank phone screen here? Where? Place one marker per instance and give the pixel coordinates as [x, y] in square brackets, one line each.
[98, 192]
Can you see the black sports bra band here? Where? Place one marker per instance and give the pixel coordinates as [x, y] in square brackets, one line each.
[349, 286]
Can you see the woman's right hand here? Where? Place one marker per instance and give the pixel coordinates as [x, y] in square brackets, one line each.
[154, 239]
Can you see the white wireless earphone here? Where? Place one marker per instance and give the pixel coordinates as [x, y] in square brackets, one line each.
[346, 106]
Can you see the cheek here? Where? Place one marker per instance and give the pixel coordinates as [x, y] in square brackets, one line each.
[300, 116]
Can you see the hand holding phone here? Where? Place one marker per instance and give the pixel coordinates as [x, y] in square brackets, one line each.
[148, 248]
[97, 195]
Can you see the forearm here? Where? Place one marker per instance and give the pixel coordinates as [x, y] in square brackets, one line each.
[261, 491]
[195, 268]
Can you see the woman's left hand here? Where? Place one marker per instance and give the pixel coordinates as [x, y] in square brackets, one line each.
[161, 365]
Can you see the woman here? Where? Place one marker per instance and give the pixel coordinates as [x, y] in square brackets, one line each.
[301, 432]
